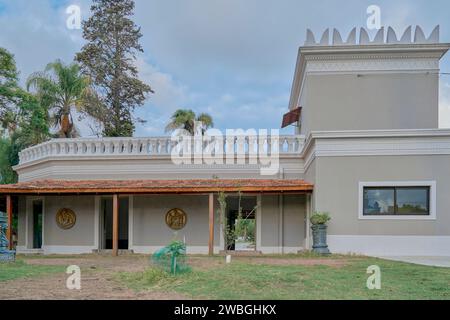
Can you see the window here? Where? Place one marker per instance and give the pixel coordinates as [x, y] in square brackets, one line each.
[379, 201]
[397, 200]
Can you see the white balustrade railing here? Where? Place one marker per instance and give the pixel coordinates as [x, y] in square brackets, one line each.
[159, 146]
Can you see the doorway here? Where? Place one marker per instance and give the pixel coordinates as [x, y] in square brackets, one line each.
[106, 217]
[241, 223]
[37, 223]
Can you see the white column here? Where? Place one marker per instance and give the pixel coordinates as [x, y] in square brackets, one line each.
[130, 221]
[258, 222]
[97, 223]
[308, 224]
[281, 224]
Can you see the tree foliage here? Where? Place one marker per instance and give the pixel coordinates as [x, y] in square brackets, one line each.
[61, 88]
[32, 128]
[188, 120]
[7, 174]
[24, 121]
[108, 59]
[10, 92]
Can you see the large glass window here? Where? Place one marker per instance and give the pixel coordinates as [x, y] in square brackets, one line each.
[413, 201]
[396, 201]
[379, 201]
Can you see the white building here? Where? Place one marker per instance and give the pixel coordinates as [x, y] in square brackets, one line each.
[367, 149]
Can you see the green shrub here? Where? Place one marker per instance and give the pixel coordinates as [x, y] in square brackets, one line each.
[172, 258]
[320, 218]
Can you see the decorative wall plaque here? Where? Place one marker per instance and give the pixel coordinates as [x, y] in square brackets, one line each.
[176, 219]
[66, 218]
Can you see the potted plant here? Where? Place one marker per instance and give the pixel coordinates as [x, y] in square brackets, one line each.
[319, 229]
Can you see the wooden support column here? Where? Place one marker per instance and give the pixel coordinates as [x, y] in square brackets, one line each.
[211, 224]
[9, 212]
[115, 245]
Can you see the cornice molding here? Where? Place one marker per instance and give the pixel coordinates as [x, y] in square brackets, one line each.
[371, 55]
[372, 66]
[375, 143]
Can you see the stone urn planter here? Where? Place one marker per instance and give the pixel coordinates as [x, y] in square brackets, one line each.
[319, 231]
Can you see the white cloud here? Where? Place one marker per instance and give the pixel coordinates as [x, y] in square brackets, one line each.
[264, 112]
[232, 58]
[169, 96]
[35, 32]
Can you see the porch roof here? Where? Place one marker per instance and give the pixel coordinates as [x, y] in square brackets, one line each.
[54, 187]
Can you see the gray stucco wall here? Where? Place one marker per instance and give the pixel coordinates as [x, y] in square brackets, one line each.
[337, 187]
[378, 101]
[147, 168]
[311, 177]
[82, 234]
[269, 221]
[150, 229]
[294, 215]
[294, 207]
[21, 224]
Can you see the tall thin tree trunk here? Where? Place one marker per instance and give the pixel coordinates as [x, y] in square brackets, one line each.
[66, 126]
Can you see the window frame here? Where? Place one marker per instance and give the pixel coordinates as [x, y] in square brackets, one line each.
[394, 185]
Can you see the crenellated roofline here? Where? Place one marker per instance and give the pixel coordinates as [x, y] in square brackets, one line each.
[382, 54]
[380, 38]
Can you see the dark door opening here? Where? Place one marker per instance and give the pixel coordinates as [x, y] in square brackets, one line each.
[107, 210]
[241, 220]
[37, 224]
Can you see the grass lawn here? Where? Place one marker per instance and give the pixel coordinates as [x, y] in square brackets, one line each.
[19, 269]
[248, 280]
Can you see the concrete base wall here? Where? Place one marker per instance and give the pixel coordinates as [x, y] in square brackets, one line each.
[391, 245]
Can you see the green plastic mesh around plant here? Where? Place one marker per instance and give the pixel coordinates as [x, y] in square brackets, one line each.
[172, 258]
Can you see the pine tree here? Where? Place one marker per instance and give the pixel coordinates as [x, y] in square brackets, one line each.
[108, 59]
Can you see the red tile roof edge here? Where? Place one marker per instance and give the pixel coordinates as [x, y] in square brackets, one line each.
[156, 186]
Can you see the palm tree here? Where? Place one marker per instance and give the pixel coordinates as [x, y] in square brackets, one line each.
[60, 88]
[187, 120]
[206, 122]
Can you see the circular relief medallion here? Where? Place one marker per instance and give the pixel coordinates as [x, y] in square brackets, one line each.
[176, 219]
[66, 218]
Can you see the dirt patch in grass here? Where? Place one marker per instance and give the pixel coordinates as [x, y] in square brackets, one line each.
[94, 286]
[207, 263]
[300, 262]
[98, 280]
[121, 263]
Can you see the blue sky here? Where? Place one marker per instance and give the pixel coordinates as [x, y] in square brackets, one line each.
[231, 58]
